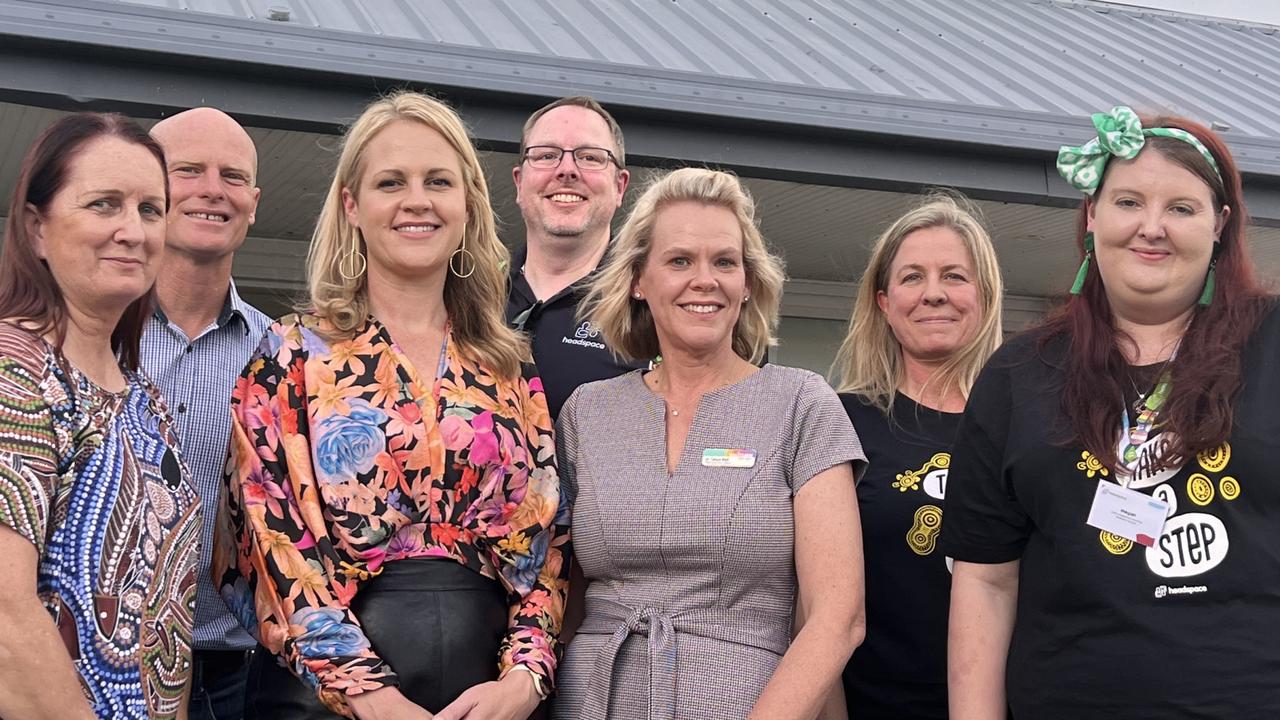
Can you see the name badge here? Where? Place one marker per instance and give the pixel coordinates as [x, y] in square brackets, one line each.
[729, 457]
[1127, 513]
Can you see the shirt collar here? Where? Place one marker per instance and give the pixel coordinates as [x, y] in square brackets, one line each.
[577, 289]
[235, 306]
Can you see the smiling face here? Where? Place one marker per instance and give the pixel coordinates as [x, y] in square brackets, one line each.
[1154, 226]
[409, 202]
[103, 232]
[694, 279]
[931, 299]
[566, 204]
[212, 168]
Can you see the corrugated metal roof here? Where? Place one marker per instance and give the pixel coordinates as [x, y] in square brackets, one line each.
[998, 73]
[1037, 56]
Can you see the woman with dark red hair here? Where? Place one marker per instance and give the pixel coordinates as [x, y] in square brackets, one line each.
[99, 521]
[1110, 505]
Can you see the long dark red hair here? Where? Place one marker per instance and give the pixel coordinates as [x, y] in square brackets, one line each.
[28, 291]
[1206, 374]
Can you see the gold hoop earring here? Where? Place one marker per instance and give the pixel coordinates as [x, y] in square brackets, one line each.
[352, 265]
[462, 258]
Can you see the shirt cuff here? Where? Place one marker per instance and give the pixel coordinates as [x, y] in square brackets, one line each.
[539, 686]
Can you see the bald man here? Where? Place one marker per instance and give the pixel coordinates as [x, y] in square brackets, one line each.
[194, 347]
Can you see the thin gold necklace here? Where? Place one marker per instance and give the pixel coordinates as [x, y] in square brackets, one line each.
[675, 412]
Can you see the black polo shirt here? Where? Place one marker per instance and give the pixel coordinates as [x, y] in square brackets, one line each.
[567, 351]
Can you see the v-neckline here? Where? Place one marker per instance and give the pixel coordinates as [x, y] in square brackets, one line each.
[672, 471]
[684, 445]
[408, 373]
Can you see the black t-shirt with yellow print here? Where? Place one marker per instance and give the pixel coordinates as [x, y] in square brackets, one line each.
[900, 670]
[1105, 627]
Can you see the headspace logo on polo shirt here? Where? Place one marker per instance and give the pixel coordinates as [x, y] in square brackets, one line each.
[584, 331]
[1165, 590]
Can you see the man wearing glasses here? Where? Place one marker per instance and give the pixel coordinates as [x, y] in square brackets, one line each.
[569, 183]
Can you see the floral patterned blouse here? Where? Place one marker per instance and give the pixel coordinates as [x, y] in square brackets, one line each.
[344, 458]
[94, 480]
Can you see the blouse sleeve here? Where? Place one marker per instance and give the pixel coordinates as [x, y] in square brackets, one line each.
[824, 436]
[536, 550]
[301, 580]
[982, 519]
[28, 446]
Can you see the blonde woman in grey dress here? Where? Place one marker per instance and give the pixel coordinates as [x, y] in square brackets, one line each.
[710, 494]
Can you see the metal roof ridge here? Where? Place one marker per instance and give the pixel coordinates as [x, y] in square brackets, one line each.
[1172, 15]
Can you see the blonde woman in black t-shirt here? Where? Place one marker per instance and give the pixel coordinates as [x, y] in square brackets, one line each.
[926, 318]
[1113, 510]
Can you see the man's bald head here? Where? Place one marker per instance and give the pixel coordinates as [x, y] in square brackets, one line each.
[205, 124]
[213, 173]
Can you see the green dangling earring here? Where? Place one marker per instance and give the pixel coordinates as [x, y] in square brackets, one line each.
[1206, 297]
[1083, 272]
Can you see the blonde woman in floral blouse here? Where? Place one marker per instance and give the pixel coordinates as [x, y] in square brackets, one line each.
[393, 487]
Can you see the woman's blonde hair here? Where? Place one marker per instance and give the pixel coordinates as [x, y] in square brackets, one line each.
[627, 324]
[475, 304]
[869, 362]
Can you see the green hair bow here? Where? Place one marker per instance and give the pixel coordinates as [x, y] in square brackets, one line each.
[1121, 134]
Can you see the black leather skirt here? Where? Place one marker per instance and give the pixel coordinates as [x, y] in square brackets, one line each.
[437, 623]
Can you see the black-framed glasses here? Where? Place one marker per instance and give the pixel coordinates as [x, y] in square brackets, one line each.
[545, 157]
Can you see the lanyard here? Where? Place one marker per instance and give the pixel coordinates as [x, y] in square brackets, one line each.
[441, 366]
[1132, 437]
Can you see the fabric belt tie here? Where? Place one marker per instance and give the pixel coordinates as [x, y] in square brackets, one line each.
[619, 621]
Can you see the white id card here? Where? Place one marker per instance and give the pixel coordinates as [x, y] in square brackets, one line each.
[1127, 513]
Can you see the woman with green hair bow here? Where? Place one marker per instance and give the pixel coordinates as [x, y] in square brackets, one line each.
[1110, 504]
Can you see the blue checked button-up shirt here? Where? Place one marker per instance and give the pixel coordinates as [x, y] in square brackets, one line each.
[196, 376]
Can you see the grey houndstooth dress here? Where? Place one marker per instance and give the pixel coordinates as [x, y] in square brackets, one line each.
[691, 576]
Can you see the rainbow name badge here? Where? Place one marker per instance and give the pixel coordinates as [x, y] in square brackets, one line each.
[729, 457]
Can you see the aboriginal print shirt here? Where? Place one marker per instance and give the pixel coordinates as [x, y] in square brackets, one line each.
[345, 458]
[94, 480]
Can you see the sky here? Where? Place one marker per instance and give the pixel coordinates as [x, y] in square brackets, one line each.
[1263, 11]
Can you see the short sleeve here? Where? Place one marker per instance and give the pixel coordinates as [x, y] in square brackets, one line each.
[823, 434]
[567, 448]
[983, 521]
[28, 442]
